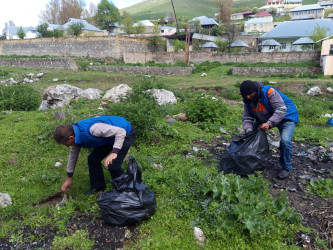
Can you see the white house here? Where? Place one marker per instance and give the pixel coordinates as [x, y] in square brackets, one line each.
[11, 32]
[168, 30]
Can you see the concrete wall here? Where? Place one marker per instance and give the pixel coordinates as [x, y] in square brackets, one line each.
[145, 70]
[268, 71]
[39, 63]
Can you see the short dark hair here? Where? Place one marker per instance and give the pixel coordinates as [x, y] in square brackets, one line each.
[62, 133]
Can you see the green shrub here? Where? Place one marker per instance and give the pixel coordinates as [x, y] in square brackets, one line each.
[206, 67]
[19, 98]
[321, 187]
[79, 240]
[207, 111]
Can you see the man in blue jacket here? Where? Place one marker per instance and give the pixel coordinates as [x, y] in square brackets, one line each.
[270, 108]
[109, 136]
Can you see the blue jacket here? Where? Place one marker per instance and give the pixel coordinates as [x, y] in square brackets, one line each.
[292, 113]
[84, 139]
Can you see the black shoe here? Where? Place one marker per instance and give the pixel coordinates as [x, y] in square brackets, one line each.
[94, 191]
[283, 174]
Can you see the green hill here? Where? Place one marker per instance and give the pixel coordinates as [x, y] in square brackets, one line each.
[155, 9]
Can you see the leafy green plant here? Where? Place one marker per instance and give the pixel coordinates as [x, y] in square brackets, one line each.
[19, 97]
[321, 187]
[205, 67]
[207, 111]
[79, 240]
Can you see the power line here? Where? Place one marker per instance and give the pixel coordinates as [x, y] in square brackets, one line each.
[174, 13]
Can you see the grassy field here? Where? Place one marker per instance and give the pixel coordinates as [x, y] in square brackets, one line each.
[188, 189]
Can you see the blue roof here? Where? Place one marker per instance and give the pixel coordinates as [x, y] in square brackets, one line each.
[238, 43]
[308, 7]
[270, 42]
[12, 30]
[259, 20]
[297, 29]
[205, 20]
[303, 40]
[209, 45]
[164, 27]
[86, 25]
[207, 37]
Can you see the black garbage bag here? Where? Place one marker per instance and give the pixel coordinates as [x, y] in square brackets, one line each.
[245, 154]
[130, 201]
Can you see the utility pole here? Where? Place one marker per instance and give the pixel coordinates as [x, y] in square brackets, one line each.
[173, 7]
[187, 45]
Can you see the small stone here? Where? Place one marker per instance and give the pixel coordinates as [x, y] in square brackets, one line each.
[57, 164]
[171, 120]
[199, 235]
[195, 149]
[222, 130]
[305, 177]
[5, 200]
[55, 79]
[291, 189]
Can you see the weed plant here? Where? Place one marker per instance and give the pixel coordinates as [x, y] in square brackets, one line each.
[322, 187]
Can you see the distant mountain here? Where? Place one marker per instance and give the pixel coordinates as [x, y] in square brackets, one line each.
[155, 9]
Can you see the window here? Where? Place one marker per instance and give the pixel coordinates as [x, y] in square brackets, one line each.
[283, 45]
[261, 25]
[331, 49]
[271, 47]
[249, 26]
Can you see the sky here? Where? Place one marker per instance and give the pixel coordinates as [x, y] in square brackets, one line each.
[26, 12]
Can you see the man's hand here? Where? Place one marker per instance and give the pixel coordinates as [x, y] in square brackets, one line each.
[66, 184]
[265, 127]
[110, 159]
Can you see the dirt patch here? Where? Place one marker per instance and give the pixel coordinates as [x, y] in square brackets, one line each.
[309, 163]
[57, 199]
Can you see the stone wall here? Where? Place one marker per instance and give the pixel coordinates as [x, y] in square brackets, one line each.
[199, 57]
[268, 71]
[39, 63]
[145, 70]
[94, 47]
[133, 50]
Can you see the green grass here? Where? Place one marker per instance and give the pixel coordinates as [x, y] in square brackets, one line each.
[188, 189]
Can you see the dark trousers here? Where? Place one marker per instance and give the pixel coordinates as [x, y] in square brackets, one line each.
[98, 154]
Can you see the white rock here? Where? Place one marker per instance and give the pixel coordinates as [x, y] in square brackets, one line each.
[5, 200]
[114, 94]
[199, 235]
[39, 74]
[55, 79]
[203, 74]
[57, 164]
[92, 93]
[327, 115]
[314, 91]
[329, 89]
[162, 96]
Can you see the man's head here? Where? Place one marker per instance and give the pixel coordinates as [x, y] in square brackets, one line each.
[249, 90]
[64, 134]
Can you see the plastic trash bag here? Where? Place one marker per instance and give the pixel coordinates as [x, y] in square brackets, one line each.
[330, 122]
[245, 154]
[130, 201]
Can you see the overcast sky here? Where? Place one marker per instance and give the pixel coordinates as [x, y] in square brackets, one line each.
[26, 12]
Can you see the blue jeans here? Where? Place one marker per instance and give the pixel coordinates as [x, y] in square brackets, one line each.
[286, 129]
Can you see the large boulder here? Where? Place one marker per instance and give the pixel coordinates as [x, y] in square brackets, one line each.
[92, 93]
[118, 92]
[5, 200]
[59, 96]
[162, 96]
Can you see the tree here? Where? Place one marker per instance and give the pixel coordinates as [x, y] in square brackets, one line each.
[139, 28]
[59, 11]
[75, 29]
[42, 30]
[107, 15]
[90, 14]
[155, 42]
[318, 34]
[21, 33]
[224, 9]
[127, 21]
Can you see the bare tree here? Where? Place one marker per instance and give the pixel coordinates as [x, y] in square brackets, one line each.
[224, 9]
[59, 11]
[89, 14]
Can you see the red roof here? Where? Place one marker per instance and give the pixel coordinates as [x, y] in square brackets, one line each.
[264, 13]
[274, 1]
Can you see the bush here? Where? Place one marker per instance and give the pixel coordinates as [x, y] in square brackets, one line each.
[207, 111]
[19, 98]
[205, 67]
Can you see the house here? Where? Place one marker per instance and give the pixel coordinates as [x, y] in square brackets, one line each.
[117, 29]
[304, 44]
[269, 45]
[206, 22]
[262, 24]
[11, 32]
[241, 15]
[288, 32]
[209, 46]
[327, 4]
[88, 29]
[168, 30]
[309, 11]
[281, 5]
[327, 57]
[147, 24]
[263, 14]
[206, 38]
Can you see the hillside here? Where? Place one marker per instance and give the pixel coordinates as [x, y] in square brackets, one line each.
[155, 9]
